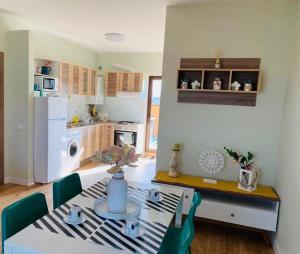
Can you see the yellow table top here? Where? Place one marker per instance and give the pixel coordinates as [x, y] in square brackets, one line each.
[224, 186]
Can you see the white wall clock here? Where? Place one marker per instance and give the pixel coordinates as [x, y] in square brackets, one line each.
[211, 162]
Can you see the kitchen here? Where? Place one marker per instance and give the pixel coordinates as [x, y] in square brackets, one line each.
[101, 108]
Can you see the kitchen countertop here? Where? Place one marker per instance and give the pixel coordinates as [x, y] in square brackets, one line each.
[84, 124]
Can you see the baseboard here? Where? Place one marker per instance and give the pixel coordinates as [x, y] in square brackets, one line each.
[19, 181]
[276, 247]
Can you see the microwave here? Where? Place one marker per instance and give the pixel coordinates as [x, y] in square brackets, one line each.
[45, 83]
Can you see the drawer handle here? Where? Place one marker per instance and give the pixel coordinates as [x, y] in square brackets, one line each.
[186, 196]
[232, 215]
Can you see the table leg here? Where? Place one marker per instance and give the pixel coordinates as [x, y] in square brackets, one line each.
[178, 219]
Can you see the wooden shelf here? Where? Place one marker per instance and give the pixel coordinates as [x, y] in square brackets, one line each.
[196, 182]
[217, 91]
[201, 69]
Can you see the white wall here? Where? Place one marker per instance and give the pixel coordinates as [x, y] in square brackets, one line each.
[19, 48]
[251, 29]
[130, 108]
[17, 102]
[288, 175]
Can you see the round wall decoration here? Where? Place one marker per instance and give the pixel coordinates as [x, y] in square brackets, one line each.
[211, 161]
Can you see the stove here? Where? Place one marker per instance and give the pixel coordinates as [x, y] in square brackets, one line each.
[127, 123]
[131, 133]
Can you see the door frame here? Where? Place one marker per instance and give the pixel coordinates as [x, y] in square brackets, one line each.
[149, 100]
[1, 118]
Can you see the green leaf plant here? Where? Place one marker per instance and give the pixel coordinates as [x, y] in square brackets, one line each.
[245, 161]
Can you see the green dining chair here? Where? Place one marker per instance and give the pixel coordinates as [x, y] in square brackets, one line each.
[178, 242]
[22, 213]
[173, 231]
[65, 189]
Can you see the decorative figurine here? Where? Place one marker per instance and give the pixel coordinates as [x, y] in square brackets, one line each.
[184, 84]
[196, 84]
[235, 86]
[217, 84]
[248, 86]
[218, 56]
[174, 163]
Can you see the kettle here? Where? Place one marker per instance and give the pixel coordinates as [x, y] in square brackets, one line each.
[46, 70]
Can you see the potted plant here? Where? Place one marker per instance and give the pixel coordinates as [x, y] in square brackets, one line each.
[117, 188]
[248, 177]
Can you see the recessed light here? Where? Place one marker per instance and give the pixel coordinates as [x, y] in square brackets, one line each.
[114, 37]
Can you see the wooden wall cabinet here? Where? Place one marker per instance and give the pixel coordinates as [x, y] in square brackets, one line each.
[123, 81]
[112, 83]
[76, 80]
[85, 81]
[64, 78]
[96, 138]
[92, 82]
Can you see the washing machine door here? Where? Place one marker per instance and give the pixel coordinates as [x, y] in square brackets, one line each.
[73, 149]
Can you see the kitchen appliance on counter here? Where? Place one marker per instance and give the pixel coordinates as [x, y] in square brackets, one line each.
[46, 83]
[131, 133]
[50, 121]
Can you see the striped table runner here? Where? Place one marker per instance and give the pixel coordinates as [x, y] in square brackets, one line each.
[108, 232]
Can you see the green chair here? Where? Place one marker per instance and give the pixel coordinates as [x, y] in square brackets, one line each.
[178, 242]
[65, 189]
[173, 232]
[22, 213]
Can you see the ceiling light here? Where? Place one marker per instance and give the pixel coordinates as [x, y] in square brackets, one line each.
[114, 37]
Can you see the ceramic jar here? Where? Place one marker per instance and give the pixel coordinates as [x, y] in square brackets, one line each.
[248, 86]
[117, 189]
[217, 84]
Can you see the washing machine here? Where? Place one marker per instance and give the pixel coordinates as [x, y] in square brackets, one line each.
[71, 158]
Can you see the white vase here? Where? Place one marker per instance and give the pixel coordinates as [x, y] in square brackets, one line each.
[117, 189]
[174, 163]
[248, 180]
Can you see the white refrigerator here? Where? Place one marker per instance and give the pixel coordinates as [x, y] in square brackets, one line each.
[50, 127]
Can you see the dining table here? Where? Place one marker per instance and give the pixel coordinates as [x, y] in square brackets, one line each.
[50, 234]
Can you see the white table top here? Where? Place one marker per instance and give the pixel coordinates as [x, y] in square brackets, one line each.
[43, 239]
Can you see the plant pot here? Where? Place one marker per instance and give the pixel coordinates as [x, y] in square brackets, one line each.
[117, 189]
[248, 179]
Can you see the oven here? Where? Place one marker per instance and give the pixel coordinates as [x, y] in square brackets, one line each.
[125, 138]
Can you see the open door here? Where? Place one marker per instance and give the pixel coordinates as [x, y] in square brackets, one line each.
[1, 118]
[153, 109]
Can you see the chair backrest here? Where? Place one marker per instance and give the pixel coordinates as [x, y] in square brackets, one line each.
[65, 189]
[195, 203]
[22, 213]
[187, 235]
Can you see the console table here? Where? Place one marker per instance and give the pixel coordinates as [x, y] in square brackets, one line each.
[224, 202]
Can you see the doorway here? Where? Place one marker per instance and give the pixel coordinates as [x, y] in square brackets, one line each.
[153, 109]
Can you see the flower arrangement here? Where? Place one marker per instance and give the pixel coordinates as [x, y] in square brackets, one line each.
[121, 156]
[245, 161]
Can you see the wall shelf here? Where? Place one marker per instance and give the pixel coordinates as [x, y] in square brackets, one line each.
[235, 69]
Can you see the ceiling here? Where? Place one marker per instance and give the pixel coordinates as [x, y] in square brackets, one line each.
[86, 21]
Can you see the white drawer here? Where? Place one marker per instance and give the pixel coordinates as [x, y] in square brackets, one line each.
[238, 214]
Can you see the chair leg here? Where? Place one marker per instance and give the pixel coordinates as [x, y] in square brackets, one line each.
[190, 250]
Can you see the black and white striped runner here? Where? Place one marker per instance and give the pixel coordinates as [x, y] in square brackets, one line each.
[168, 204]
[108, 232]
[103, 231]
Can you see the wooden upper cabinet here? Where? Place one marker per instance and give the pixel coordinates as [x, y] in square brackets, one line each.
[76, 79]
[125, 82]
[84, 81]
[92, 83]
[137, 82]
[64, 79]
[112, 83]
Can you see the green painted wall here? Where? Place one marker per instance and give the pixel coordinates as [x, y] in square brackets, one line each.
[251, 29]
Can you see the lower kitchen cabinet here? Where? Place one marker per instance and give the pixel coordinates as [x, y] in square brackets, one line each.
[96, 138]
